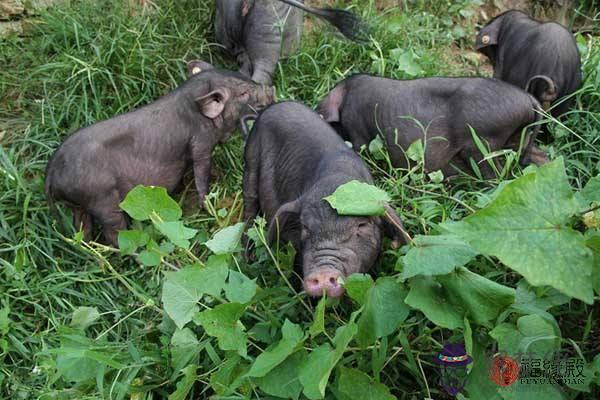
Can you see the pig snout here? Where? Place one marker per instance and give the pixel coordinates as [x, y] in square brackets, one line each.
[263, 96]
[324, 281]
[267, 95]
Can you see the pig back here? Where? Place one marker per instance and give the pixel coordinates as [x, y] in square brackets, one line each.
[296, 148]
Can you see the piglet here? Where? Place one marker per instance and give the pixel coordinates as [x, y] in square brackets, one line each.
[293, 160]
[441, 112]
[96, 166]
[540, 57]
[257, 32]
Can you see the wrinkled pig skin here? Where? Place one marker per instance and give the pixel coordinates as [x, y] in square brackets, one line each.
[92, 171]
[293, 160]
[257, 33]
[440, 109]
[541, 57]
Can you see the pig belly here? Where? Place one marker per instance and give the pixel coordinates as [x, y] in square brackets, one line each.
[152, 174]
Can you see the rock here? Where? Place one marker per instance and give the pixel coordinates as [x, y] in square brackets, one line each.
[11, 9]
[34, 6]
[10, 27]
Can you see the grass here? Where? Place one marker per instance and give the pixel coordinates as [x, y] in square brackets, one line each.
[97, 59]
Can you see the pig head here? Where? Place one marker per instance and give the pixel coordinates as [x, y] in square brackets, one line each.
[301, 160]
[541, 58]
[97, 166]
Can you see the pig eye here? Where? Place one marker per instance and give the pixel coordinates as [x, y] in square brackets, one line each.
[363, 225]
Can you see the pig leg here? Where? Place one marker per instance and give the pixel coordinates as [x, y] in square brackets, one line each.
[82, 221]
[438, 154]
[250, 192]
[201, 162]
[262, 40]
[250, 187]
[487, 172]
[110, 216]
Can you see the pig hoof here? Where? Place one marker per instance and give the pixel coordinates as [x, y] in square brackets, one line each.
[324, 281]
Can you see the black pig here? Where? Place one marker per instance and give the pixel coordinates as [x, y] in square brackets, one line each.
[438, 109]
[540, 57]
[257, 32]
[95, 167]
[293, 160]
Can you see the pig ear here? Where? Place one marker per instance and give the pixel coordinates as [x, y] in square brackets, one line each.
[196, 66]
[393, 227]
[331, 105]
[488, 35]
[211, 105]
[287, 214]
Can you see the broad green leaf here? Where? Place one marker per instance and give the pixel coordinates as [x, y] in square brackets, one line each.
[432, 299]
[74, 366]
[508, 338]
[318, 325]
[525, 227]
[406, 61]
[416, 151]
[377, 148]
[482, 298]
[272, 357]
[479, 385]
[527, 302]
[152, 255]
[185, 384]
[130, 241]
[150, 258]
[176, 232]
[227, 240]
[142, 201]
[78, 359]
[539, 335]
[183, 289]
[284, 380]
[240, 288]
[531, 391]
[355, 384]
[591, 191]
[448, 299]
[357, 287]
[384, 311]
[358, 198]
[185, 348]
[230, 376]
[436, 255]
[593, 243]
[222, 322]
[84, 317]
[533, 334]
[315, 372]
